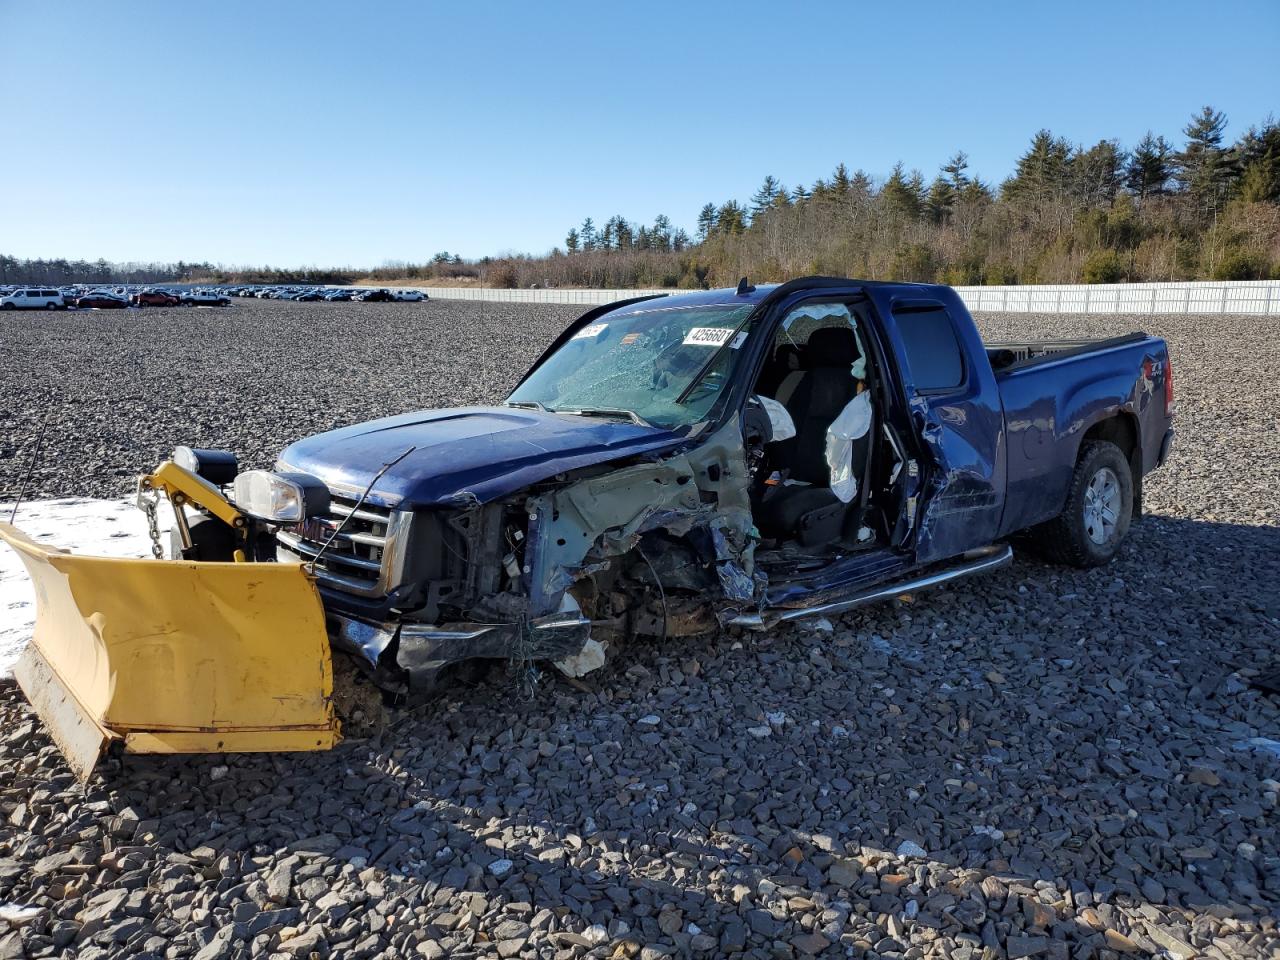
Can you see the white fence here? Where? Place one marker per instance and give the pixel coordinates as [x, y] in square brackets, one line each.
[1254, 296]
[549, 295]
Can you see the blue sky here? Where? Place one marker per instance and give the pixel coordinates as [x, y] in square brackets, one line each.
[318, 133]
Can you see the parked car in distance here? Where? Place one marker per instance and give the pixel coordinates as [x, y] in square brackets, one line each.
[375, 296]
[103, 300]
[340, 296]
[33, 298]
[154, 298]
[410, 296]
[204, 298]
[310, 296]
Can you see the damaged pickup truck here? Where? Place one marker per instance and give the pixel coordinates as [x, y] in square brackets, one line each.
[669, 466]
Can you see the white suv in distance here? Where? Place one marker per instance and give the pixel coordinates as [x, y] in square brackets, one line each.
[33, 298]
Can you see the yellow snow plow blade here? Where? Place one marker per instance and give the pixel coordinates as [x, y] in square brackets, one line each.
[174, 656]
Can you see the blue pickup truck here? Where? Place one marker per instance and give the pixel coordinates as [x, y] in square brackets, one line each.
[740, 457]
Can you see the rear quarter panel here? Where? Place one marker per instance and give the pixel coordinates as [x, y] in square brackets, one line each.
[1050, 407]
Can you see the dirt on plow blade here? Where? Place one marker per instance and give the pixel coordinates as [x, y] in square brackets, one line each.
[174, 656]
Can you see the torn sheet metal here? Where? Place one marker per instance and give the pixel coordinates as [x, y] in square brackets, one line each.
[702, 496]
[601, 517]
[734, 538]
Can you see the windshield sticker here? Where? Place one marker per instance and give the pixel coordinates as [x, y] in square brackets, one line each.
[739, 340]
[708, 336]
[590, 331]
[629, 339]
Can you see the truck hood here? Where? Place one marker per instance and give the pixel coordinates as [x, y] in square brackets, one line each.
[480, 452]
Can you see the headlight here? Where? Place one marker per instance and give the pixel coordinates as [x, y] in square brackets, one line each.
[281, 497]
[219, 467]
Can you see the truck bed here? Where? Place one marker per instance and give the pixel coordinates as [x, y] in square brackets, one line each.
[1007, 356]
[1052, 392]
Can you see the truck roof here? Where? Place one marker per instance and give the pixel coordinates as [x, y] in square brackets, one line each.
[729, 295]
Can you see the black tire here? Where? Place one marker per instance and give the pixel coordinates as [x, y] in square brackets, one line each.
[1093, 523]
[6, 306]
[51, 306]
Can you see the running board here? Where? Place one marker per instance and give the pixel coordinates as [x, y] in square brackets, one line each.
[975, 561]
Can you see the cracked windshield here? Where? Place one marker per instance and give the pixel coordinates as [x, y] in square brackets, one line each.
[665, 366]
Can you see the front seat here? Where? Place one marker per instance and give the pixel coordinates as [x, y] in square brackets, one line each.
[813, 514]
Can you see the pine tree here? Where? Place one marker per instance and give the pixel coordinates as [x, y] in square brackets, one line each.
[588, 234]
[1258, 156]
[571, 241]
[1149, 167]
[799, 194]
[955, 170]
[1042, 172]
[706, 221]
[762, 199]
[840, 181]
[623, 232]
[1203, 169]
[941, 199]
[901, 195]
[1096, 173]
[660, 233]
[731, 218]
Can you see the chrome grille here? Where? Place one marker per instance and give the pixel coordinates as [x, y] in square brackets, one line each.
[360, 558]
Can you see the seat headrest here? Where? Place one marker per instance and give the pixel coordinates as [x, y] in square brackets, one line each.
[788, 356]
[832, 347]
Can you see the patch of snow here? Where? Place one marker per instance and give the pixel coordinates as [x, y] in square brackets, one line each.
[19, 914]
[104, 528]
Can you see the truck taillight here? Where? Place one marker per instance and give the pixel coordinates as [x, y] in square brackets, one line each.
[1168, 387]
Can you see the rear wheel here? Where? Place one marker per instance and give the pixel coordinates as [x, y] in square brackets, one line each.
[51, 305]
[1099, 507]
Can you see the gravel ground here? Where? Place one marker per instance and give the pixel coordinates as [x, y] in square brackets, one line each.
[1042, 762]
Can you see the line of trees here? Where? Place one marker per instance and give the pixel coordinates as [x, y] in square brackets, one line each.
[64, 272]
[60, 272]
[1207, 209]
[1069, 213]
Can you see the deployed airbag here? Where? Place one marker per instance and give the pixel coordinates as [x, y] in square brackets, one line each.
[851, 424]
